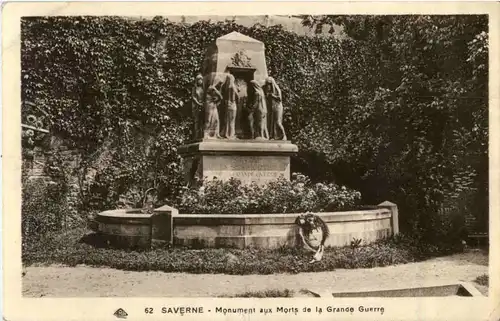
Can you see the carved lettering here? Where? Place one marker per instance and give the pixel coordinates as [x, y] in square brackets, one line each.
[248, 163]
[244, 174]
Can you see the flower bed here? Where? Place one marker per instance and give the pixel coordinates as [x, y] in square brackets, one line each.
[280, 196]
[235, 215]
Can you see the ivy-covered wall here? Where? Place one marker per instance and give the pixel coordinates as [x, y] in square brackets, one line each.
[101, 79]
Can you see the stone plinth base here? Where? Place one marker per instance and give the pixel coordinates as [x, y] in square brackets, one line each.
[247, 160]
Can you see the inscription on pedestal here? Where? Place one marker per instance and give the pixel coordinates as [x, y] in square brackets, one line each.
[248, 169]
[245, 174]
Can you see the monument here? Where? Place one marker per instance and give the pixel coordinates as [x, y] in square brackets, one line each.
[237, 115]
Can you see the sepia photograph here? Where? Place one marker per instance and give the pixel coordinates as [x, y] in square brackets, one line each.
[255, 156]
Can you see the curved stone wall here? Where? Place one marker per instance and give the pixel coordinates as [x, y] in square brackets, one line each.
[125, 228]
[272, 231]
[131, 228]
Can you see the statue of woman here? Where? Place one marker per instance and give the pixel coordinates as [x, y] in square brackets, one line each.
[230, 97]
[273, 93]
[259, 111]
[212, 99]
[197, 105]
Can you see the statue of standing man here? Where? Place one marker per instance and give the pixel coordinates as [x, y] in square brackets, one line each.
[273, 94]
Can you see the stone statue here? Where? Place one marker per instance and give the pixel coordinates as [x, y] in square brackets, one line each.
[259, 112]
[213, 98]
[273, 93]
[197, 106]
[230, 103]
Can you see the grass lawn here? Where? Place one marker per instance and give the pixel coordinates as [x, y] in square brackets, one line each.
[80, 246]
[286, 293]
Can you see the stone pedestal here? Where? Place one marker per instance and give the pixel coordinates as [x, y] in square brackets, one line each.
[247, 160]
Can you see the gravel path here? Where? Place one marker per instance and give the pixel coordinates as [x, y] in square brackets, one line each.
[85, 281]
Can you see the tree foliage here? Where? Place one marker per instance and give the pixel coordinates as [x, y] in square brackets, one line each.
[417, 125]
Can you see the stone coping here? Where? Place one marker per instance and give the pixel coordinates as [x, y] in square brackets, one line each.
[278, 219]
[423, 289]
[133, 216]
[128, 212]
[124, 216]
[166, 208]
[221, 147]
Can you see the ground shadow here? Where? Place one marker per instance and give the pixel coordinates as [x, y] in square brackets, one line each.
[94, 239]
[477, 256]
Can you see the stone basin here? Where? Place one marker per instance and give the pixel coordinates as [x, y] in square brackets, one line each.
[125, 228]
[131, 228]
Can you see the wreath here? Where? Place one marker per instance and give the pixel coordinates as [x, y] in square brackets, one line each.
[308, 224]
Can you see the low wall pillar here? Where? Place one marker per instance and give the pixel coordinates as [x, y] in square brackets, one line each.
[394, 215]
[162, 225]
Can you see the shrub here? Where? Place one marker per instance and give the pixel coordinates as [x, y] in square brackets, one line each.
[279, 196]
[286, 293]
[483, 280]
[43, 209]
[46, 202]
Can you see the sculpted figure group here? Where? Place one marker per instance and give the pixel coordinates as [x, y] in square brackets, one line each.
[217, 110]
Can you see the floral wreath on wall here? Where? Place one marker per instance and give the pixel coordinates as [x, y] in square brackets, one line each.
[308, 224]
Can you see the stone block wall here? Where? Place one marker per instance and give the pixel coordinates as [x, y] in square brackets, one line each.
[273, 231]
[130, 227]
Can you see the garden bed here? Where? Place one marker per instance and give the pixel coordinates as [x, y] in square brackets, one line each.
[71, 249]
